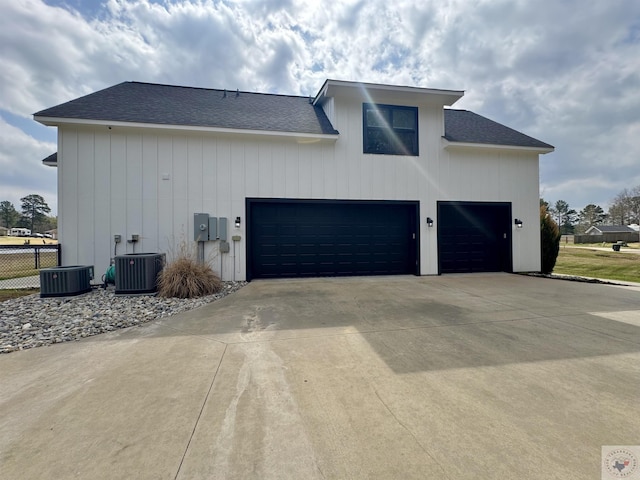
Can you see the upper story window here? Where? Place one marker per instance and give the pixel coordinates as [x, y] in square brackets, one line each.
[390, 129]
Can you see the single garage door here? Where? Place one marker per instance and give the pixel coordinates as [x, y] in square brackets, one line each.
[305, 238]
[474, 237]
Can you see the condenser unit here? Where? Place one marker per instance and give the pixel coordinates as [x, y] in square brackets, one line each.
[65, 281]
[138, 272]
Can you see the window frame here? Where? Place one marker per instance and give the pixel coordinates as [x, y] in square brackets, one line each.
[397, 147]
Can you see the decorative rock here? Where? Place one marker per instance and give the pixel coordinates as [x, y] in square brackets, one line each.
[31, 321]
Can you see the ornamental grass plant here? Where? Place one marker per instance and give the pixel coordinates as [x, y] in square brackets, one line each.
[185, 277]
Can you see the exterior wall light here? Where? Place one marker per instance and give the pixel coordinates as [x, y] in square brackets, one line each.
[429, 222]
[237, 222]
[518, 223]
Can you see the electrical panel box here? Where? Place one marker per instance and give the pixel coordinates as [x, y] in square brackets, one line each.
[224, 246]
[213, 228]
[222, 228]
[200, 227]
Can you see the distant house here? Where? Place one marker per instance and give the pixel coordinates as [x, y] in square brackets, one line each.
[20, 232]
[602, 229]
[360, 179]
[4, 231]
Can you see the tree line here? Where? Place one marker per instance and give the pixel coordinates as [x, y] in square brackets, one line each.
[624, 210]
[33, 215]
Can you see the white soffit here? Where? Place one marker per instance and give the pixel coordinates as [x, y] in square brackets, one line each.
[379, 93]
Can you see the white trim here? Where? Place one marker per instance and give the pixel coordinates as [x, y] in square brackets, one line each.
[448, 145]
[371, 91]
[301, 137]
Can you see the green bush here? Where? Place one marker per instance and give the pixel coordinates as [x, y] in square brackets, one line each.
[184, 277]
[550, 240]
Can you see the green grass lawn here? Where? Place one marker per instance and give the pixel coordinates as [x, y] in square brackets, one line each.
[17, 265]
[9, 293]
[598, 264]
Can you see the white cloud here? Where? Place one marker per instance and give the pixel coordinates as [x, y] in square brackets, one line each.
[565, 72]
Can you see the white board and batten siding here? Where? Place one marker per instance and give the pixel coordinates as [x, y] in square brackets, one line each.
[150, 182]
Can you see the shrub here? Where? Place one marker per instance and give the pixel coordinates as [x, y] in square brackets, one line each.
[550, 240]
[184, 277]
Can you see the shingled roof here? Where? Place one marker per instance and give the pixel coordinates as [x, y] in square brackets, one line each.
[51, 160]
[611, 229]
[187, 106]
[148, 103]
[467, 127]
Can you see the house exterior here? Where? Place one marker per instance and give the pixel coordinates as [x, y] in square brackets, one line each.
[4, 231]
[602, 229]
[609, 233]
[362, 179]
[20, 232]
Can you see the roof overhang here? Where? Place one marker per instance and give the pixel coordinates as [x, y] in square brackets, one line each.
[110, 125]
[462, 146]
[380, 93]
[51, 160]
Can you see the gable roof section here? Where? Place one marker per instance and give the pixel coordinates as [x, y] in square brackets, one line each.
[168, 105]
[463, 126]
[149, 103]
[381, 93]
[612, 229]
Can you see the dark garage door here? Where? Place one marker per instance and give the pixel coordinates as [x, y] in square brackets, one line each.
[304, 238]
[474, 237]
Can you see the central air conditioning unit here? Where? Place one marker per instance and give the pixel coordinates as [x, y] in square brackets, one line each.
[65, 281]
[138, 272]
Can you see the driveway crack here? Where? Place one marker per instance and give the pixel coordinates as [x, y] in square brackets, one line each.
[195, 426]
[422, 447]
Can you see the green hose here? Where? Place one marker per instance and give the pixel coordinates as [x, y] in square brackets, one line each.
[110, 275]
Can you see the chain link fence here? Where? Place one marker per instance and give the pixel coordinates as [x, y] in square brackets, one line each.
[20, 265]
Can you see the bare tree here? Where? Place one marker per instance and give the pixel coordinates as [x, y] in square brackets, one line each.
[625, 207]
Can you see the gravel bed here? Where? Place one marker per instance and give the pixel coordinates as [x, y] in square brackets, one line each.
[31, 321]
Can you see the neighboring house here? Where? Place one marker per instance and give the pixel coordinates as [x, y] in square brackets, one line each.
[20, 232]
[602, 229]
[362, 179]
[4, 231]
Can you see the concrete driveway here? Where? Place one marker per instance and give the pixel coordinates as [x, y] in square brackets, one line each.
[486, 376]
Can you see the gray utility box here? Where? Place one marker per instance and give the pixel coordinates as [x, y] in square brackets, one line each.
[65, 281]
[138, 272]
[201, 227]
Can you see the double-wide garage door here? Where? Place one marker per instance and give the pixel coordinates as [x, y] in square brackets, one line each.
[306, 238]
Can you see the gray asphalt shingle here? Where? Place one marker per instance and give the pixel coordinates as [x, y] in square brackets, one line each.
[188, 106]
[467, 127]
[613, 229]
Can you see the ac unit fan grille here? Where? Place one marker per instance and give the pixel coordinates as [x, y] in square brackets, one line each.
[65, 281]
[138, 272]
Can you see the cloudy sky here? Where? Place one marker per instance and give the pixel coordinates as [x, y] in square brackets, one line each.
[564, 71]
